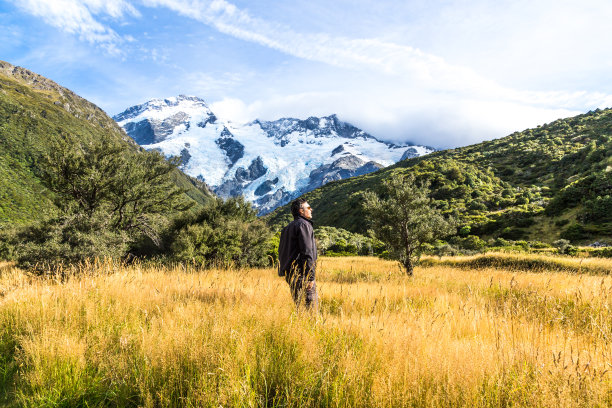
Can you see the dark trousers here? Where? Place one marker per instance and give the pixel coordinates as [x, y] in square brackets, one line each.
[302, 292]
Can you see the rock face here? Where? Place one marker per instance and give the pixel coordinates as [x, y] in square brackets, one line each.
[234, 150]
[269, 162]
[410, 153]
[344, 167]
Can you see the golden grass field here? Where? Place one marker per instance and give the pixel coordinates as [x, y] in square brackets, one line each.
[453, 335]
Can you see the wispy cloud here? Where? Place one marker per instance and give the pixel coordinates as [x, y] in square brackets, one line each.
[79, 17]
[415, 67]
[337, 51]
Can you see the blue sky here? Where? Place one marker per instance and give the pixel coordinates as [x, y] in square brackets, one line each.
[441, 73]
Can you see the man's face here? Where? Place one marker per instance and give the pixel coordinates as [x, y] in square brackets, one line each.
[306, 211]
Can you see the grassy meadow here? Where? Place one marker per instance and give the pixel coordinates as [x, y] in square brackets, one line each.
[461, 332]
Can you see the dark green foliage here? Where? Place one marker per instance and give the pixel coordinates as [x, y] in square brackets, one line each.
[69, 239]
[339, 242]
[465, 230]
[403, 218]
[223, 233]
[133, 188]
[470, 242]
[597, 209]
[501, 188]
[601, 252]
[587, 189]
[108, 198]
[73, 185]
[575, 232]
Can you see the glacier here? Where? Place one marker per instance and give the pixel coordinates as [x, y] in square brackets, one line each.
[268, 162]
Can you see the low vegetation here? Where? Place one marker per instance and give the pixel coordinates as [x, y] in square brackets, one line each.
[521, 262]
[150, 335]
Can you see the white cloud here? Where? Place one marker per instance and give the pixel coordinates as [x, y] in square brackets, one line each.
[441, 121]
[408, 66]
[232, 109]
[78, 17]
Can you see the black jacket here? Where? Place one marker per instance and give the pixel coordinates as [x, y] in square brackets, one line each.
[297, 250]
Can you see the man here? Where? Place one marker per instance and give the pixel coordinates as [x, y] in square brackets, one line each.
[297, 255]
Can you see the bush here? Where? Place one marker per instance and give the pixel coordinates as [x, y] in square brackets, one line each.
[474, 243]
[224, 233]
[602, 252]
[500, 242]
[108, 197]
[561, 245]
[70, 239]
[538, 245]
[522, 244]
[465, 230]
[598, 209]
[512, 233]
[345, 243]
[470, 243]
[571, 250]
[574, 232]
[445, 250]
[342, 247]
[477, 206]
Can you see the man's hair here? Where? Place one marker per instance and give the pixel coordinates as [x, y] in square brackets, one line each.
[296, 205]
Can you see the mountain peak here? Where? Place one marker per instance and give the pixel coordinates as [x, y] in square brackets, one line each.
[181, 102]
[268, 162]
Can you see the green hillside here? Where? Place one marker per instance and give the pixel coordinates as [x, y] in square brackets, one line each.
[34, 111]
[551, 182]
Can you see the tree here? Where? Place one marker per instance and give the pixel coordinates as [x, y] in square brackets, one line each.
[108, 196]
[404, 218]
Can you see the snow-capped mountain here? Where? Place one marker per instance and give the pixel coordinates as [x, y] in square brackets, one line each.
[270, 163]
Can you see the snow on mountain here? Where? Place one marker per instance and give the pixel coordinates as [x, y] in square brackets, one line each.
[270, 163]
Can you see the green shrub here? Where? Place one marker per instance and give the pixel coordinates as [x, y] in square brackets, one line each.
[70, 239]
[8, 243]
[601, 252]
[474, 243]
[340, 241]
[500, 242]
[538, 245]
[109, 198]
[598, 209]
[561, 245]
[512, 233]
[224, 233]
[571, 250]
[574, 232]
[465, 230]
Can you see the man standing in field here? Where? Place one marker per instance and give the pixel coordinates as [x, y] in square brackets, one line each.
[297, 255]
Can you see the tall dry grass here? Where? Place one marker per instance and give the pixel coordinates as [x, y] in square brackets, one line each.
[176, 336]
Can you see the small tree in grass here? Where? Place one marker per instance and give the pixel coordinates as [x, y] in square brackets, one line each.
[108, 197]
[404, 218]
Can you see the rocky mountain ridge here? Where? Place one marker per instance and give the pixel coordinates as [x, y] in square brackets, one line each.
[268, 162]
